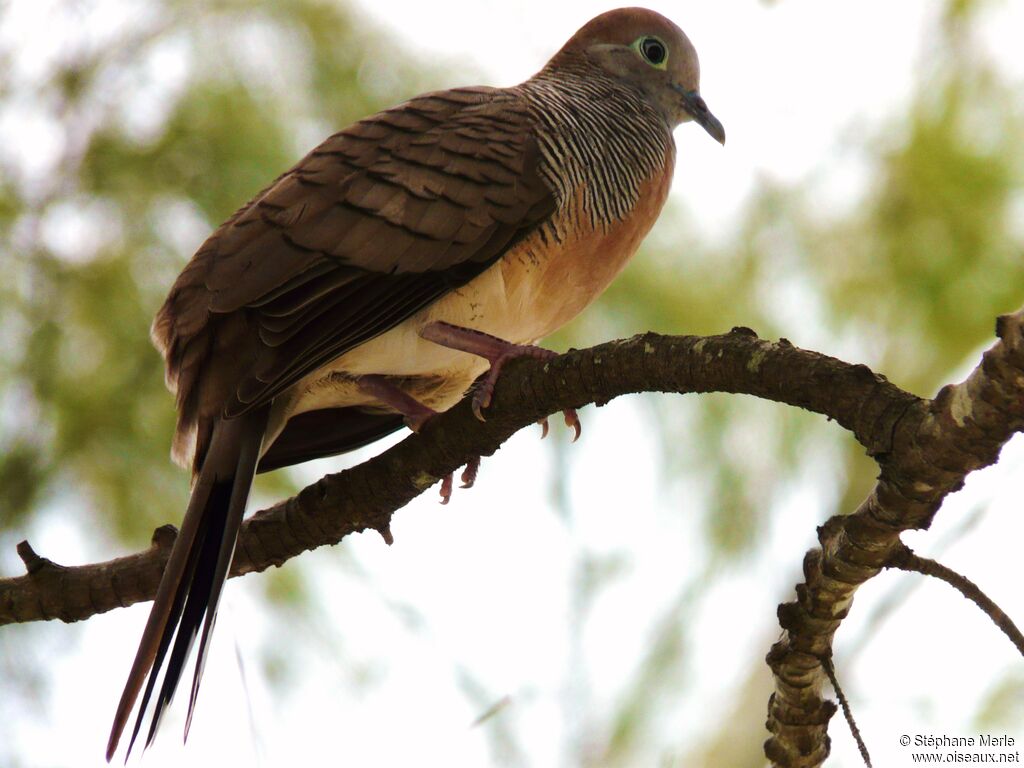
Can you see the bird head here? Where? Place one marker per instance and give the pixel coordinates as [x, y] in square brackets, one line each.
[650, 53]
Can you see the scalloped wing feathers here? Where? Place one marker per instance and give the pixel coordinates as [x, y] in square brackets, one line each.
[374, 224]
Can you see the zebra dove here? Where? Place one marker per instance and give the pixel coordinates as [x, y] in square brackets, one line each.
[398, 262]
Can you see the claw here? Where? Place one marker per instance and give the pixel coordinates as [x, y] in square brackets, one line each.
[478, 405]
[482, 397]
[468, 478]
[573, 420]
[469, 473]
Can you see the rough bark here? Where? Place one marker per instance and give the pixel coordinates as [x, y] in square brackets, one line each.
[924, 449]
[932, 447]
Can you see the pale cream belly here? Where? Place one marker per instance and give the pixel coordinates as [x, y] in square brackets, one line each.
[513, 300]
[435, 375]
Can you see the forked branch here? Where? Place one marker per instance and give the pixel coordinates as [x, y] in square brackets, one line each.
[934, 445]
[924, 448]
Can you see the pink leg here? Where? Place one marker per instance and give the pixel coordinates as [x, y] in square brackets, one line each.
[416, 415]
[415, 412]
[497, 352]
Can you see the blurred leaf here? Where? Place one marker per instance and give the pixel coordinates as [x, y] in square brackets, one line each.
[1002, 709]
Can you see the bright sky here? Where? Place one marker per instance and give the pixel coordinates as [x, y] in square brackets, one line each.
[785, 78]
[796, 85]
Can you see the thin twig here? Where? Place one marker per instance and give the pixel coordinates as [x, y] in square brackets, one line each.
[830, 672]
[906, 559]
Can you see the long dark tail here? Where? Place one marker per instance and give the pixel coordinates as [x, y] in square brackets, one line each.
[196, 570]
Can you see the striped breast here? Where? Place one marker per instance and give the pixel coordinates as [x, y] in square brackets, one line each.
[601, 142]
[608, 156]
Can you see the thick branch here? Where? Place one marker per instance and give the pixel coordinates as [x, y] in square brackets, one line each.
[934, 446]
[365, 497]
[924, 449]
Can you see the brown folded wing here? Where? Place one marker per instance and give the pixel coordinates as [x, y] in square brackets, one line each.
[326, 432]
[377, 222]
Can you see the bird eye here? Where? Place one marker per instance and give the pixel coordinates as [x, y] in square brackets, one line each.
[653, 50]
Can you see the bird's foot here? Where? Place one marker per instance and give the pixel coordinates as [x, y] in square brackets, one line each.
[497, 352]
[468, 478]
[572, 420]
[416, 414]
[485, 386]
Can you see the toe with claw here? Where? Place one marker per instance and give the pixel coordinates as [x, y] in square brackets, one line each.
[572, 420]
[495, 351]
[469, 473]
[468, 478]
[446, 489]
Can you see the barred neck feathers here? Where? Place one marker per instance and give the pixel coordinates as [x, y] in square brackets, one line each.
[599, 139]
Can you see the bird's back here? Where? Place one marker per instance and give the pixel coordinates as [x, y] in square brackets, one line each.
[378, 221]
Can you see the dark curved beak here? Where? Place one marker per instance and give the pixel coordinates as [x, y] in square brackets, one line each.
[698, 110]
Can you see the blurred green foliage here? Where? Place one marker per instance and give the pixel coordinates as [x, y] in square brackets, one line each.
[91, 237]
[84, 405]
[911, 278]
[914, 275]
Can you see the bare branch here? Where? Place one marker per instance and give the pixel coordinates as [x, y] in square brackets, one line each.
[366, 496]
[933, 446]
[905, 559]
[924, 449]
[830, 673]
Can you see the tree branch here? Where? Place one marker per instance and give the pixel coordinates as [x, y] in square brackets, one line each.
[364, 497]
[924, 448]
[905, 559]
[933, 446]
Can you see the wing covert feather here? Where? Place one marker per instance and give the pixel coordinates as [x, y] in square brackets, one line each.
[377, 222]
